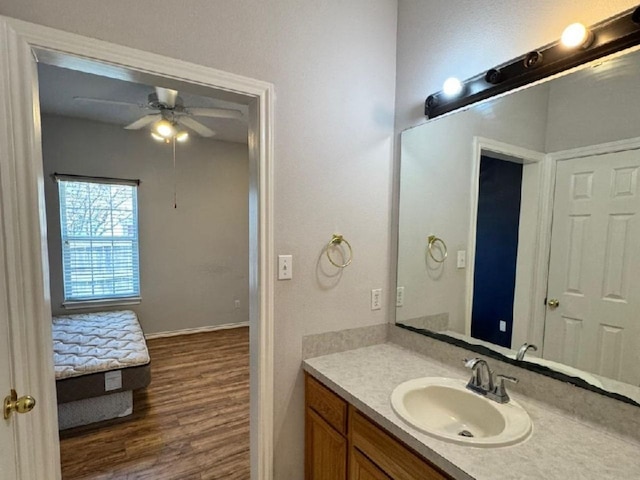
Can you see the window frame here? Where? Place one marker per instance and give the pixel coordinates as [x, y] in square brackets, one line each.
[97, 301]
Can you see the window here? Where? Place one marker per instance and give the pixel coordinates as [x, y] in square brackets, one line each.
[99, 226]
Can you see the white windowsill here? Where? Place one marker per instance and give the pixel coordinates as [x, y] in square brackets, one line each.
[111, 302]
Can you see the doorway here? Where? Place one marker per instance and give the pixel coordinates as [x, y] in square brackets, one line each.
[496, 255]
[34, 439]
[153, 230]
[505, 207]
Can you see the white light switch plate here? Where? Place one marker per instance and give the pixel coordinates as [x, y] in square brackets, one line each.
[399, 296]
[503, 326]
[462, 259]
[285, 267]
[376, 299]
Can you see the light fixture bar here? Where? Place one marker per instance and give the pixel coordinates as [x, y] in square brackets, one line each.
[610, 36]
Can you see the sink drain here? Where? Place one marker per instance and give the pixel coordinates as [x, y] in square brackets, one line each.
[465, 433]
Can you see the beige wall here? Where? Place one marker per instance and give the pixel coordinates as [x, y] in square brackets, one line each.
[193, 259]
[333, 66]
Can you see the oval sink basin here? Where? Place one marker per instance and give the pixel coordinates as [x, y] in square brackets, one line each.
[445, 409]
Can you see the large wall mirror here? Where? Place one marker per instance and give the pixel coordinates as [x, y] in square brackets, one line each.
[519, 223]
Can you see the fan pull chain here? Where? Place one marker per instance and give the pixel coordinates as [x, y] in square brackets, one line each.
[175, 180]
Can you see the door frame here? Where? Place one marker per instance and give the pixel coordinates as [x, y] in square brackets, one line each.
[23, 225]
[480, 146]
[536, 332]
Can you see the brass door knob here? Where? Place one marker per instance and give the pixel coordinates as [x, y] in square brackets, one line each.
[23, 404]
[553, 303]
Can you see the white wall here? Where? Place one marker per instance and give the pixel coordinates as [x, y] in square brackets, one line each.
[462, 38]
[596, 105]
[429, 205]
[333, 66]
[194, 259]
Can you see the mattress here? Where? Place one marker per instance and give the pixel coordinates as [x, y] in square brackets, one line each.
[90, 343]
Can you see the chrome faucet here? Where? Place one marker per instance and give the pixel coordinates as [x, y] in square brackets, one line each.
[482, 381]
[482, 377]
[523, 350]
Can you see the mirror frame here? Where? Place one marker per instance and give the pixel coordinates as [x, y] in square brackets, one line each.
[616, 34]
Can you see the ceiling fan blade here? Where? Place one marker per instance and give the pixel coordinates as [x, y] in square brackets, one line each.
[214, 112]
[109, 102]
[167, 96]
[143, 122]
[197, 127]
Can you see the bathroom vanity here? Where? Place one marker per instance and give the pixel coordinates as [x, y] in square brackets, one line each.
[353, 432]
[343, 443]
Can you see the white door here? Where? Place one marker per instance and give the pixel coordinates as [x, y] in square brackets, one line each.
[28, 442]
[7, 432]
[594, 269]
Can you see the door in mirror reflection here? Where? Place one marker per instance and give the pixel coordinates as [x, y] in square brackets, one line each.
[593, 268]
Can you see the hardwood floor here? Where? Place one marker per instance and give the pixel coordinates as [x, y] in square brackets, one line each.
[191, 423]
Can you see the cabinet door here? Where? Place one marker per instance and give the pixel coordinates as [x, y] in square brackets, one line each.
[388, 453]
[325, 450]
[361, 468]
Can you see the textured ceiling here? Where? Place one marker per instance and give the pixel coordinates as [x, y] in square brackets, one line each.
[58, 86]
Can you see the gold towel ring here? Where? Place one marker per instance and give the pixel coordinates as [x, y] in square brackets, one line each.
[337, 240]
[432, 239]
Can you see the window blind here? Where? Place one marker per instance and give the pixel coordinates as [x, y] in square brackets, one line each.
[99, 226]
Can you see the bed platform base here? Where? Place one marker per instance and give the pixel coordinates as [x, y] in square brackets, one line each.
[96, 409]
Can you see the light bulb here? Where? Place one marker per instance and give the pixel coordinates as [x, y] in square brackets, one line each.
[157, 137]
[452, 87]
[164, 128]
[576, 35]
[182, 136]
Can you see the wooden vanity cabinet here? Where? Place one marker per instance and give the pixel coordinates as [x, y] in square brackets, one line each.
[326, 446]
[343, 444]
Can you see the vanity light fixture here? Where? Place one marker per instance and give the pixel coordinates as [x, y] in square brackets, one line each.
[494, 76]
[579, 45]
[577, 35]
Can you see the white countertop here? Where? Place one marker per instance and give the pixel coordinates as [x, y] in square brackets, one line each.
[560, 447]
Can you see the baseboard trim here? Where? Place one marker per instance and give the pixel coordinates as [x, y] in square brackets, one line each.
[191, 331]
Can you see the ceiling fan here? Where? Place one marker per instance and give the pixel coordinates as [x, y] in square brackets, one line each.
[171, 115]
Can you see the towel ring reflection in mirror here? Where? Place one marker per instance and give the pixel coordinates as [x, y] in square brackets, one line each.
[432, 241]
[338, 240]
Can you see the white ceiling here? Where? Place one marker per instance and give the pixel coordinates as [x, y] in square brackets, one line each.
[58, 86]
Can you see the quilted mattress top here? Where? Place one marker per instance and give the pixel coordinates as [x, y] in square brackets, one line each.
[88, 343]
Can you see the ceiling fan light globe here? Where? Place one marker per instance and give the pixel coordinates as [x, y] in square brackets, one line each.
[164, 128]
[157, 137]
[182, 136]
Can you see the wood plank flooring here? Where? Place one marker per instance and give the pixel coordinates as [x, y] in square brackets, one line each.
[191, 423]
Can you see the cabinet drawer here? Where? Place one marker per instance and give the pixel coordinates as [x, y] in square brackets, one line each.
[327, 404]
[392, 456]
